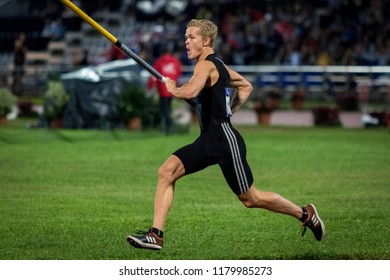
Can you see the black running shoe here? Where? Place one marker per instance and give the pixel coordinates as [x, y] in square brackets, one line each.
[314, 223]
[147, 240]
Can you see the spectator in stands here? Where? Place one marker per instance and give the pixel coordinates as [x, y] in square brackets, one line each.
[135, 41]
[204, 12]
[20, 50]
[169, 66]
[58, 29]
[52, 9]
[340, 28]
[54, 29]
[46, 30]
[294, 55]
[273, 42]
[84, 59]
[324, 58]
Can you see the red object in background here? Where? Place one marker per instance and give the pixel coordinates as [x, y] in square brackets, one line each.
[115, 53]
[169, 66]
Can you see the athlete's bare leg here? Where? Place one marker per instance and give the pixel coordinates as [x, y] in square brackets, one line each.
[168, 174]
[271, 201]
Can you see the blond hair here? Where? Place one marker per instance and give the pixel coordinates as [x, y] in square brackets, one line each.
[207, 28]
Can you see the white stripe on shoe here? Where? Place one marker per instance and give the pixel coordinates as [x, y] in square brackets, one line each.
[151, 239]
[137, 243]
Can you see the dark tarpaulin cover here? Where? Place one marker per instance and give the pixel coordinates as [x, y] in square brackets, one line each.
[94, 91]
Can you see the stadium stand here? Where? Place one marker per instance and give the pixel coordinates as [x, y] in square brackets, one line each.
[274, 33]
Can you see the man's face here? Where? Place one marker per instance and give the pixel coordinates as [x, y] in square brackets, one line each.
[193, 42]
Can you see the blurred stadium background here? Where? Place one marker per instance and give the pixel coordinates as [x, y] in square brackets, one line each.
[333, 53]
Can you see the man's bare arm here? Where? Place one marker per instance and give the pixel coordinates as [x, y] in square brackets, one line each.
[192, 88]
[243, 88]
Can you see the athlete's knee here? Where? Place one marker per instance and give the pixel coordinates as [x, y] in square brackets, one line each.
[171, 170]
[251, 198]
[165, 172]
[248, 202]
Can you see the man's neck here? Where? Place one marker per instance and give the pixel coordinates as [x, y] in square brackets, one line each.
[206, 53]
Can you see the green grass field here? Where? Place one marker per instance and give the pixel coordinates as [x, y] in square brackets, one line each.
[69, 194]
